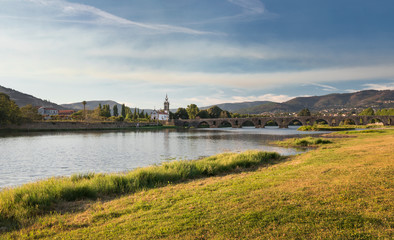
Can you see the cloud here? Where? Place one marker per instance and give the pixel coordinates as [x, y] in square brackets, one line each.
[325, 87]
[250, 7]
[386, 86]
[250, 10]
[265, 97]
[221, 98]
[256, 80]
[64, 11]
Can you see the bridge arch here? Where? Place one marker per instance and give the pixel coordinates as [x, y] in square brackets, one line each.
[376, 120]
[348, 121]
[203, 124]
[322, 121]
[271, 123]
[247, 123]
[224, 124]
[295, 122]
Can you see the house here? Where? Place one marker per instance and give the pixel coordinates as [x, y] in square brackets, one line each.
[48, 111]
[65, 112]
[162, 115]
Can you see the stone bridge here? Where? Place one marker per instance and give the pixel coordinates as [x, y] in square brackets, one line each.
[282, 122]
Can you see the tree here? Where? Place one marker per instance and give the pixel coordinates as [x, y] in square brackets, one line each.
[84, 108]
[105, 111]
[181, 113]
[192, 111]
[29, 113]
[203, 114]
[214, 112]
[304, 112]
[115, 110]
[123, 112]
[9, 111]
[135, 115]
[367, 112]
[225, 114]
[385, 112]
[142, 114]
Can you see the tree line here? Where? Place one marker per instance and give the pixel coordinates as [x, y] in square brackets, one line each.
[10, 112]
[103, 112]
[380, 112]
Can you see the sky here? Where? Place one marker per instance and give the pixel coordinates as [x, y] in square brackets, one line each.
[204, 52]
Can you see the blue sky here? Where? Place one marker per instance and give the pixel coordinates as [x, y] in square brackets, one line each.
[202, 52]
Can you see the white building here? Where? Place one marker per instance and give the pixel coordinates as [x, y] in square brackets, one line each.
[48, 111]
[162, 115]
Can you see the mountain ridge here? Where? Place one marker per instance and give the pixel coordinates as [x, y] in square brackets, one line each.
[360, 99]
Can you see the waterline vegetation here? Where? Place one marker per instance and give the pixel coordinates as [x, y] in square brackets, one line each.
[21, 203]
[303, 142]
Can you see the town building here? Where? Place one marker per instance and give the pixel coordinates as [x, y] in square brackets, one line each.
[162, 115]
[48, 111]
[65, 112]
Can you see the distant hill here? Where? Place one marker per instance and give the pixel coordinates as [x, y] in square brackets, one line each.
[91, 105]
[362, 99]
[234, 107]
[22, 99]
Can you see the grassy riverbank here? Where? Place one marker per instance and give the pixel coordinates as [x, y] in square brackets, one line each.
[338, 128]
[303, 142]
[19, 205]
[342, 190]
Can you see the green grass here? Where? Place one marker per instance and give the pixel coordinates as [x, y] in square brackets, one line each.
[342, 190]
[303, 142]
[21, 203]
[325, 128]
[338, 128]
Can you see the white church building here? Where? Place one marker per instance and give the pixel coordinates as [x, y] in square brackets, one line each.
[162, 115]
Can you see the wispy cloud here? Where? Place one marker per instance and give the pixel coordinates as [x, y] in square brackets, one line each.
[250, 7]
[64, 11]
[325, 87]
[387, 86]
[249, 10]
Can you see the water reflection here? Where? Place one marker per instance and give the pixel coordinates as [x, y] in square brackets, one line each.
[31, 156]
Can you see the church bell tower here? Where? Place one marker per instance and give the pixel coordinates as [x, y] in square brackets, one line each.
[166, 105]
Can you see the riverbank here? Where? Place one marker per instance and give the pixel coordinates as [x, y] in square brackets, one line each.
[340, 190]
[339, 128]
[52, 126]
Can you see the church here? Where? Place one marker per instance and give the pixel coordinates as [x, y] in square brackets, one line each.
[162, 115]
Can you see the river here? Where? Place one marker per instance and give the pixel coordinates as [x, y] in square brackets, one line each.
[26, 157]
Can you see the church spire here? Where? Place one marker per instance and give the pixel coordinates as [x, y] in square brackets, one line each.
[167, 105]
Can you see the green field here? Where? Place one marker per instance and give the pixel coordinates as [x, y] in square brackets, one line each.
[341, 190]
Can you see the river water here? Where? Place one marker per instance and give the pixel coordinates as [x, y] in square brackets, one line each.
[31, 156]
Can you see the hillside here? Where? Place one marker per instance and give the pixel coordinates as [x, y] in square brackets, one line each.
[91, 105]
[362, 99]
[234, 107]
[22, 99]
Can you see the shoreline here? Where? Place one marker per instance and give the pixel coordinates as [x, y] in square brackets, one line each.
[52, 126]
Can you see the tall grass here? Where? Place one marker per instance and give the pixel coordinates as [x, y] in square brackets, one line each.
[326, 128]
[303, 142]
[21, 203]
